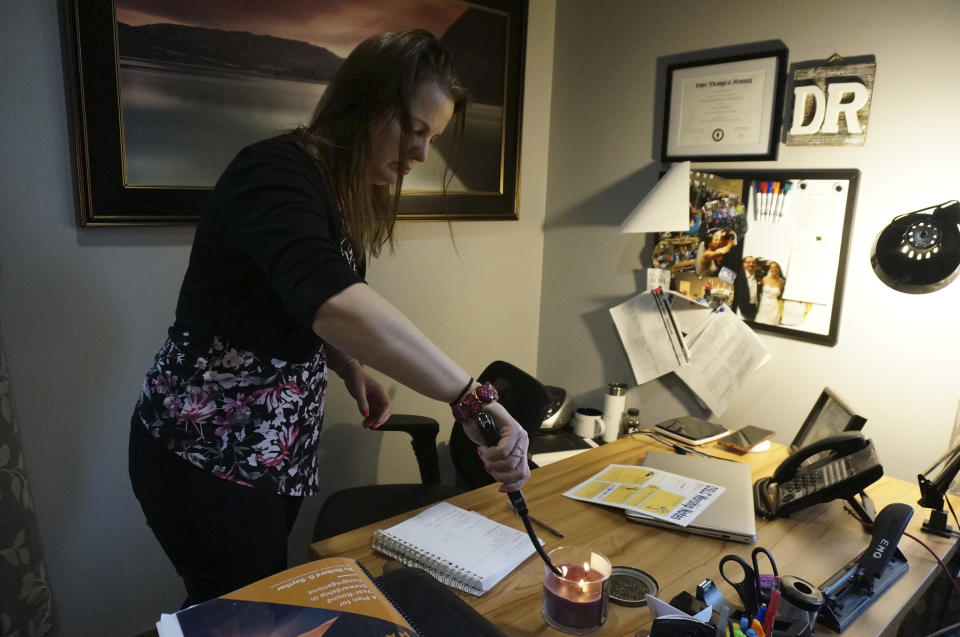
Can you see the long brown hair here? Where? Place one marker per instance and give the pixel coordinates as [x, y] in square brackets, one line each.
[377, 81]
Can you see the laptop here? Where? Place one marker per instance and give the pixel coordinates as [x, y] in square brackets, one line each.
[731, 517]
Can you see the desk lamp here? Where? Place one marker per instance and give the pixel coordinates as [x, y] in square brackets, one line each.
[919, 252]
[933, 492]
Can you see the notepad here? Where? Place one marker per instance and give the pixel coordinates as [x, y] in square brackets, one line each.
[460, 548]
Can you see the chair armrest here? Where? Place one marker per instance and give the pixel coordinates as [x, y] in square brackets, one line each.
[423, 432]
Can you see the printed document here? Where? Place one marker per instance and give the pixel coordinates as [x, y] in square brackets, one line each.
[723, 355]
[658, 494]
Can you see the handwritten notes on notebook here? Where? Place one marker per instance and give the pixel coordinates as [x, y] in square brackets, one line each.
[460, 548]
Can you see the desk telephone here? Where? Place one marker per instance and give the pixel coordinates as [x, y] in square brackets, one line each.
[836, 467]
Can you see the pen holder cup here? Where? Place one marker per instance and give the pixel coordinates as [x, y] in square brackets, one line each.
[781, 627]
[576, 602]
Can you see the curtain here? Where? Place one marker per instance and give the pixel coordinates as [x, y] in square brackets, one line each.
[26, 607]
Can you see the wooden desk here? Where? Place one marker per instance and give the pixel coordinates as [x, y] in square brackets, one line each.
[812, 544]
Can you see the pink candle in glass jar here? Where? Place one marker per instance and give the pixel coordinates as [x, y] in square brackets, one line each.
[576, 601]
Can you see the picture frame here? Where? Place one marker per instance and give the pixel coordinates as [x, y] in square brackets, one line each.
[797, 238]
[725, 108]
[122, 158]
[829, 416]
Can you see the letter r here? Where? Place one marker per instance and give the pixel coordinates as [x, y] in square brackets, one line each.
[835, 93]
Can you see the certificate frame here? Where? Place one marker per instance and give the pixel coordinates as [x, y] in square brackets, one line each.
[809, 243]
[107, 195]
[725, 108]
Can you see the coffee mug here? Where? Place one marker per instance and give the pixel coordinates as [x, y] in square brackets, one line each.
[588, 422]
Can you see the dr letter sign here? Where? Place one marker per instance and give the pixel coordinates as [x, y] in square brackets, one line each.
[831, 105]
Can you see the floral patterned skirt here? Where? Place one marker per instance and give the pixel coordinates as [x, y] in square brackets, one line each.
[251, 421]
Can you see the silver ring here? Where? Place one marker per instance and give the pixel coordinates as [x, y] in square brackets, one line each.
[517, 452]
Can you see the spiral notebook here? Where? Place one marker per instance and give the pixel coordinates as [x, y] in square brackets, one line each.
[460, 548]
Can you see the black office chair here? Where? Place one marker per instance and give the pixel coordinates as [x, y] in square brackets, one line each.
[521, 394]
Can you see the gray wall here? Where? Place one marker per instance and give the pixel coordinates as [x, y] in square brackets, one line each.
[83, 310]
[894, 359]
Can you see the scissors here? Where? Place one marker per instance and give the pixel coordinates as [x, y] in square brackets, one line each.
[748, 586]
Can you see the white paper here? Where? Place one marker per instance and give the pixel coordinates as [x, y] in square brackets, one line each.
[549, 457]
[482, 550]
[657, 278]
[645, 338]
[660, 608]
[169, 626]
[729, 102]
[652, 492]
[666, 208]
[721, 359]
[691, 316]
[815, 257]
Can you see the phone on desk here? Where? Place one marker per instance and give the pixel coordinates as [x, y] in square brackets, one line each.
[840, 466]
[690, 430]
[746, 438]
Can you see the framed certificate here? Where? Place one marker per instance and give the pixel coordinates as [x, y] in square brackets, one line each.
[725, 109]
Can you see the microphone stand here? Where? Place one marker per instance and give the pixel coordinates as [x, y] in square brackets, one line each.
[933, 492]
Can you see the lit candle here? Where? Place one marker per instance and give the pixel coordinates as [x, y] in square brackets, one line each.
[576, 601]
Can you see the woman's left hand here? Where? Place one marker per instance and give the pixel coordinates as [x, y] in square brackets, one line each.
[507, 461]
[372, 399]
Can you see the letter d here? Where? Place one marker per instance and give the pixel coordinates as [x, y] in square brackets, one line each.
[800, 98]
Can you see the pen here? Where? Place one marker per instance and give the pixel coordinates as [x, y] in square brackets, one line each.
[676, 329]
[775, 198]
[544, 526]
[722, 621]
[670, 325]
[763, 198]
[771, 610]
[783, 206]
[538, 522]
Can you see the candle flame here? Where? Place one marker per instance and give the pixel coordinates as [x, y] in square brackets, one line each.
[586, 567]
[563, 569]
[583, 585]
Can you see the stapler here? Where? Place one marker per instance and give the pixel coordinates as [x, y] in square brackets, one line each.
[852, 589]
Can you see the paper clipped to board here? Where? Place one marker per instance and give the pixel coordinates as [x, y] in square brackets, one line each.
[716, 354]
[666, 207]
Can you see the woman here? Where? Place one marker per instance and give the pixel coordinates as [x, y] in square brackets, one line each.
[713, 251]
[770, 294]
[224, 436]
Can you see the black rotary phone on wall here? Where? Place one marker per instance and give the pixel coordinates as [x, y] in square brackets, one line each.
[839, 466]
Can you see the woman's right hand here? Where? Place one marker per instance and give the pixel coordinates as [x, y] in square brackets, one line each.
[507, 460]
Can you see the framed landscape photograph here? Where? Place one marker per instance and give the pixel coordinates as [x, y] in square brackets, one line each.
[165, 93]
[724, 109]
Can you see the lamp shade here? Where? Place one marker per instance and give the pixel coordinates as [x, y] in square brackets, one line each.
[666, 207]
[919, 252]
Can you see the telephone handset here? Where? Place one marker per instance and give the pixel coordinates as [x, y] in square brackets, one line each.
[840, 466]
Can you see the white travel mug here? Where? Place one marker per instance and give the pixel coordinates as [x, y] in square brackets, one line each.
[614, 402]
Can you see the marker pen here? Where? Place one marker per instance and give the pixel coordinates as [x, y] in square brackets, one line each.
[783, 206]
